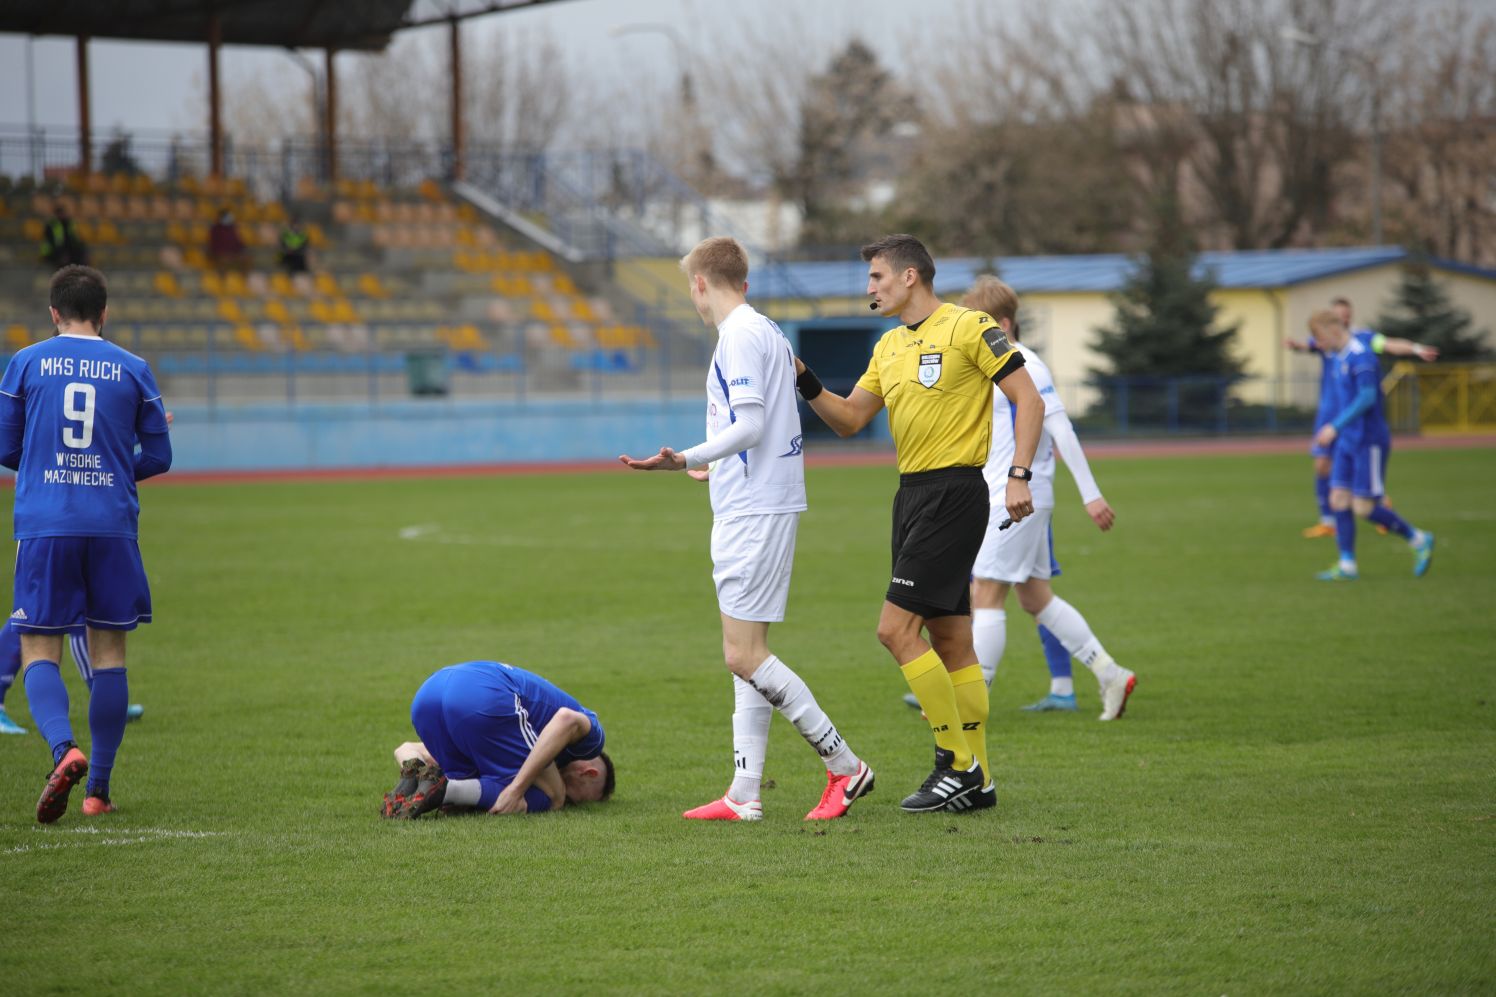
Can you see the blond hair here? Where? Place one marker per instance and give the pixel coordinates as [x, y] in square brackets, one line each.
[1324, 318]
[722, 260]
[990, 295]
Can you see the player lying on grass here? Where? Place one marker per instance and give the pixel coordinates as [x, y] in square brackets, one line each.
[499, 739]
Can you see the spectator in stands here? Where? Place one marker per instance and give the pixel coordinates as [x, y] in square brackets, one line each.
[293, 246]
[60, 242]
[225, 247]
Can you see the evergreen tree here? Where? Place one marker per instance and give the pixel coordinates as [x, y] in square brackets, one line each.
[1165, 328]
[1423, 313]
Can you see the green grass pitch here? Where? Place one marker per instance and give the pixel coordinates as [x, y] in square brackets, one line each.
[1300, 800]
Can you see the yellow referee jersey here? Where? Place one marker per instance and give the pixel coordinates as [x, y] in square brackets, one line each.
[937, 384]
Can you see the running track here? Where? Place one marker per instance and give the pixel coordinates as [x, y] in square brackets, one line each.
[1100, 450]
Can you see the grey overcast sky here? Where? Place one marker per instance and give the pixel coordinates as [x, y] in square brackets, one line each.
[140, 86]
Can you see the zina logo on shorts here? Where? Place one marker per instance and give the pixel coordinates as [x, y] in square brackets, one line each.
[929, 369]
[903, 581]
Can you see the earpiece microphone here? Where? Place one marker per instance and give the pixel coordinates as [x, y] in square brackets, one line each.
[872, 306]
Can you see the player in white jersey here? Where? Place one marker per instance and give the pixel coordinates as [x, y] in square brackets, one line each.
[757, 478]
[1018, 555]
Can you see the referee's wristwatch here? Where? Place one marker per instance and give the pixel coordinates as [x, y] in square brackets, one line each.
[1021, 473]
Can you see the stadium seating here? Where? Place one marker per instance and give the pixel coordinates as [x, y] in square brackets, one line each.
[392, 272]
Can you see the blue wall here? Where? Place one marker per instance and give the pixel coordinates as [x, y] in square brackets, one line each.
[416, 433]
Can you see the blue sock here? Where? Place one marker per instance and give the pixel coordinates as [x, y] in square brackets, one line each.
[48, 699]
[1383, 516]
[1322, 493]
[107, 702]
[1345, 534]
[1055, 655]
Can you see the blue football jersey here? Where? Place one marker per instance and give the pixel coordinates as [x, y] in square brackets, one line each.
[86, 403]
[1355, 368]
[536, 701]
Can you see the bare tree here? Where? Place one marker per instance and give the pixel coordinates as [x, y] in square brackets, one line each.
[1441, 135]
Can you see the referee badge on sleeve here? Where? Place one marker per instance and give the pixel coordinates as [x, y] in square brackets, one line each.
[929, 369]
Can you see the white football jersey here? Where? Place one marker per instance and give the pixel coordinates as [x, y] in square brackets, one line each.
[754, 360]
[1000, 457]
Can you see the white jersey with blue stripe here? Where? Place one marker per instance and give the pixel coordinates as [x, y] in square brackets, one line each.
[753, 361]
[1000, 456]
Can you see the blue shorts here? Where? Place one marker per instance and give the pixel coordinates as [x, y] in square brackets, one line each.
[475, 729]
[1362, 470]
[64, 584]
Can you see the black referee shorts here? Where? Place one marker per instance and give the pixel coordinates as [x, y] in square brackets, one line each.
[939, 520]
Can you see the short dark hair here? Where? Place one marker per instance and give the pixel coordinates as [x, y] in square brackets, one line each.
[903, 252]
[1340, 301]
[607, 774]
[79, 294]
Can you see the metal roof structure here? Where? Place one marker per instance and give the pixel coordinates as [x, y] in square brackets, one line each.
[1103, 273]
[345, 25]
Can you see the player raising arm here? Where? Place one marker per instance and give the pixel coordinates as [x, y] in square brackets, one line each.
[1324, 455]
[935, 374]
[1357, 430]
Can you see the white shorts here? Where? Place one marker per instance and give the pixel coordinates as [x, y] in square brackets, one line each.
[1020, 552]
[752, 557]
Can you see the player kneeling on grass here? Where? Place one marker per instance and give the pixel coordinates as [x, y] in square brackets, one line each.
[499, 739]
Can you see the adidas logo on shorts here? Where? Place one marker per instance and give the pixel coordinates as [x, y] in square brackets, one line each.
[19, 614]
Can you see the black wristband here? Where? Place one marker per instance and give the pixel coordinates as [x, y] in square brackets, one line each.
[809, 385]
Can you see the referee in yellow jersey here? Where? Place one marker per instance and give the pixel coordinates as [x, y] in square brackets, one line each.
[933, 373]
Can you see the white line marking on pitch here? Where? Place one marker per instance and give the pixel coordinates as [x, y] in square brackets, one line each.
[113, 836]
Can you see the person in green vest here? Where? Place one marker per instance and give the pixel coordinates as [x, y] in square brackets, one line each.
[61, 244]
[293, 245]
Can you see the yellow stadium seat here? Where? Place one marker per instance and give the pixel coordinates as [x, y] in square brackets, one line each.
[326, 285]
[281, 285]
[212, 283]
[165, 283]
[234, 285]
[370, 287]
[276, 311]
[17, 336]
[246, 338]
[229, 310]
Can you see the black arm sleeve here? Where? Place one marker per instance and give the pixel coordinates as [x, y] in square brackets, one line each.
[1009, 366]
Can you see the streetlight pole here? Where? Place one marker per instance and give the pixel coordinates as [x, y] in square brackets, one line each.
[1296, 36]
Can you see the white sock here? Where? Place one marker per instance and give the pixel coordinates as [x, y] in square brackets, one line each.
[789, 694]
[1348, 565]
[1062, 686]
[750, 740]
[989, 632]
[1416, 539]
[1066, 623]
[462, 793]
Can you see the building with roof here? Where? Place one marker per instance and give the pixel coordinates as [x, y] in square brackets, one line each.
[1271, 293]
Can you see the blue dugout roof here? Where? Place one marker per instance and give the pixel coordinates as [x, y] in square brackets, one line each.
[1261, 268]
